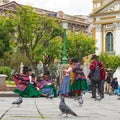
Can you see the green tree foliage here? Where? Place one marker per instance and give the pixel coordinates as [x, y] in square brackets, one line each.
[4, 36]
[36, 35]
[14, 60]
[50, 51]
[6, 31]
[80, 45]
[111, 62]
[5, 70]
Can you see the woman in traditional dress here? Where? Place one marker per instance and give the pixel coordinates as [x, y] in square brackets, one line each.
[78, 80]
[64, 88]
[25, 84]
[46, 86]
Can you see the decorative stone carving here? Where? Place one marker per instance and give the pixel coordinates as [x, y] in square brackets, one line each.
[115, 6]
[108, 27]
[98, 27]
[116, 26]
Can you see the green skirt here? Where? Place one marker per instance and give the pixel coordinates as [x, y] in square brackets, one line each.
[30, 91]
[78, 85]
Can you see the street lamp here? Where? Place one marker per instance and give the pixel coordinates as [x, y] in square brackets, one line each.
[64, 59]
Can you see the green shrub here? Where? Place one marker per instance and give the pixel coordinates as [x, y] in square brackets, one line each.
[5, 70]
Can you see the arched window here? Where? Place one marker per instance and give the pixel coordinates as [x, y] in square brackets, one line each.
[109, 42]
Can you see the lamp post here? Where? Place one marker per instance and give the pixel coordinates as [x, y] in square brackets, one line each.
[64, 59]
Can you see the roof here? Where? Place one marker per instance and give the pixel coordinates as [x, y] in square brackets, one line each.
[102, 7]
[72, 19]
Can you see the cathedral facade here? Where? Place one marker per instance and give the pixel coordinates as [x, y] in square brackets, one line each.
[106, 18]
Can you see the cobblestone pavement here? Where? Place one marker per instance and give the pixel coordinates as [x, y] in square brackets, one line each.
[47, 109]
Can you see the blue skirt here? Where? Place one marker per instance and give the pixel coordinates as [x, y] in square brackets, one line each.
[50, 90]
[64, 89]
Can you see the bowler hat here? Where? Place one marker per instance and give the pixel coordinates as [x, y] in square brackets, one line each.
[94, 56]
[26, 68]
[75, 60]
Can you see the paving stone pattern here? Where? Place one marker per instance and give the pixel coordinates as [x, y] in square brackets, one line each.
[47, 109]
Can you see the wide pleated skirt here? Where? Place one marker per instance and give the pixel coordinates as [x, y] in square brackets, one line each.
[78, 85]
[30, 91]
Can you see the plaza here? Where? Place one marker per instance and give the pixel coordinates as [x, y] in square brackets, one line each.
[48, 109]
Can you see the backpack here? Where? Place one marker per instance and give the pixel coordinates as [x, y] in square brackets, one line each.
[96, 74]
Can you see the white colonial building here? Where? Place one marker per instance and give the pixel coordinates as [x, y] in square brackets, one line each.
[106, 16]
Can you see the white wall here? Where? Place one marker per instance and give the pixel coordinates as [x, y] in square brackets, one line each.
[98, 39]
[117, 41]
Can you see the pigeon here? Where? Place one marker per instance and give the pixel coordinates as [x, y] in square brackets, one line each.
[18, 101]
[80, 100]
[65, 108]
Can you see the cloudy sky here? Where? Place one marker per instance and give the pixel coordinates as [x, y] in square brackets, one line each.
[71, 7]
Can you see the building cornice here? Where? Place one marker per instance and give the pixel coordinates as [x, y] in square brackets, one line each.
[107, 22]
[107, 13]
[102, 7]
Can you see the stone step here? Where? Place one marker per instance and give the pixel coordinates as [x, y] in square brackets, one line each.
[8, 94]
[10, 88]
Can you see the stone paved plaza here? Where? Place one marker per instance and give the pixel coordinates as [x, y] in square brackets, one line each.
[47, 109]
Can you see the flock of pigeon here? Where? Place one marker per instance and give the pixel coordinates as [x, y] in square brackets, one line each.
[64, 108]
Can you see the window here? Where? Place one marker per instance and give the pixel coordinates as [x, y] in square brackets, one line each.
[109, 42]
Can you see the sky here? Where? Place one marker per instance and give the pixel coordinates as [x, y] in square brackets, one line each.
[71, 7]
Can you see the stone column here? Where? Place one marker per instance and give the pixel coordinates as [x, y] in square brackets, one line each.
[2, 82]
[98, 39]
[117, 38]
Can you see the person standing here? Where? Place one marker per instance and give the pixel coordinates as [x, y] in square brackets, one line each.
[114, 85]
[107, 84]
[78, 81]
[64, 88]
[100, 83]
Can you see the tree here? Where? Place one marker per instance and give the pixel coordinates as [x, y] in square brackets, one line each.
[111, 62]
[4, 36]
[37, 35]
[6, 29]
[80, 45]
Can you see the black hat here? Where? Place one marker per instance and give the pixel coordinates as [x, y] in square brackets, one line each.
[33, 75]
[75, 60]
[94, 56]
[46, 72]
[26, 68]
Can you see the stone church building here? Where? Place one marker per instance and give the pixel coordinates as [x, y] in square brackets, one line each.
[106, 18]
